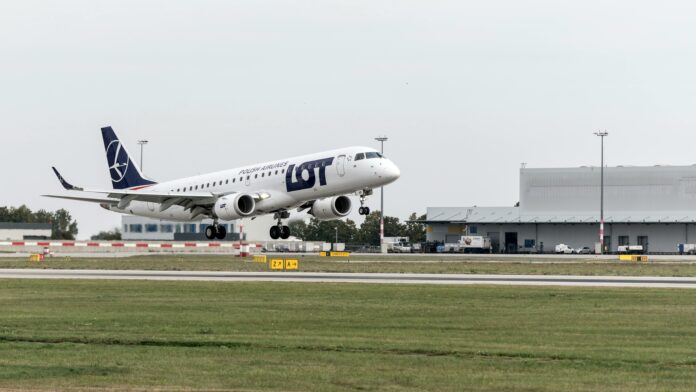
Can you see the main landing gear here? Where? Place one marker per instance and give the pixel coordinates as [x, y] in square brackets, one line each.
[280, 231]
[215, 231]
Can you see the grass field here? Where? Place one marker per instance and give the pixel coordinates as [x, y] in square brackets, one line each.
[392, 264]
[330, 337]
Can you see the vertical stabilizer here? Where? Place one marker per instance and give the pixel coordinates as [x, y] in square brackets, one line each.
[125, 173]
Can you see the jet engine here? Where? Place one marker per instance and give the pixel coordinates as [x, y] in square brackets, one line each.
[331, 208]
[235, 207]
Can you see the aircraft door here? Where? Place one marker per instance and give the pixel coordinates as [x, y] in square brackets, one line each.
[341, 165]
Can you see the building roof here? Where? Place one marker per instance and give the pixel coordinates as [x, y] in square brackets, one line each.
[25, 226]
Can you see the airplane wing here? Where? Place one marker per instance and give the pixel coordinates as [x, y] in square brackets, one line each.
[122, 198]
[200, 201]
[86, 199]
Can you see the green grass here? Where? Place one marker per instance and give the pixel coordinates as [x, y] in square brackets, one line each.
[343, 337]
[394, 264]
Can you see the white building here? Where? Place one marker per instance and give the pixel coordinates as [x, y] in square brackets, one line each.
[25, 231]
[650, 206]
[137, 228]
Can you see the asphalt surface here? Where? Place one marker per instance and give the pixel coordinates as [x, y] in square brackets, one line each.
[435, 279]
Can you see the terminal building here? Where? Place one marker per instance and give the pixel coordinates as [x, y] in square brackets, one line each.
[650, 206]
[136, 228]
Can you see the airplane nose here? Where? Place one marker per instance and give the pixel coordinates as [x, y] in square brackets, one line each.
[393, 172]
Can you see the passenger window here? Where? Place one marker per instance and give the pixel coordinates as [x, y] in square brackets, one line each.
[360, 157]
[227, 182]
[196, 187]
[276, 172]
[263, 174]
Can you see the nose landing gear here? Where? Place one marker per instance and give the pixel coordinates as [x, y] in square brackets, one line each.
[363, 210]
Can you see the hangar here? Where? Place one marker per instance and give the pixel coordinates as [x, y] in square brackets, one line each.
[653, 206]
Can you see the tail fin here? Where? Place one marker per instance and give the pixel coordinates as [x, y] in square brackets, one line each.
[124, 172]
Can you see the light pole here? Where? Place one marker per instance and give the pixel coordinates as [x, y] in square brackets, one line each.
[381, 139]
[602, 135]
[142, 145]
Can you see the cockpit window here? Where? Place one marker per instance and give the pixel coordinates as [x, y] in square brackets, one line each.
[372, 155]
[360, 157]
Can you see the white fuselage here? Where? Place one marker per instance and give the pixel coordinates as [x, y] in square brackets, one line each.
[279, 185]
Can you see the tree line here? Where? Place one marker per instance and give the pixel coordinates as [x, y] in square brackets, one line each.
[366, 234]
[63, 227]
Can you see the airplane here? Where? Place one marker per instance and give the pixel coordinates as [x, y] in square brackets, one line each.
[318, 183]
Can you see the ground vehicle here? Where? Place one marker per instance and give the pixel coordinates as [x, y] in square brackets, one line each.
[585, 250]
[563, 249]
[474, 244]
[398, 245]
[688, 249]
[631, 249]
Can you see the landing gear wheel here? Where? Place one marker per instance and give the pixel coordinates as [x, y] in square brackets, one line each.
[367, 211]
[221, 232]
[210, 232]
[275, 232]
[285, 232]
[361, 210]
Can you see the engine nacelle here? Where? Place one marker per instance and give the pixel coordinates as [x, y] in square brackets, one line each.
[235, 207]
[331, 208]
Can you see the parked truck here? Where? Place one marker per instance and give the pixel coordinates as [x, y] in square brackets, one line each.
[469, 244]
[631, 249]
[689, 249]
[398, 244]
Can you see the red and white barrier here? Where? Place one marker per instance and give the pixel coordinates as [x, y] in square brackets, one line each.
[137, 245]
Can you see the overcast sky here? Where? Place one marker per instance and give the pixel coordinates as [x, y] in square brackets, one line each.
[466, 90]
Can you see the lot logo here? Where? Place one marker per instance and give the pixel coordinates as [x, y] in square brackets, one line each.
[299, 182]
[118, 161]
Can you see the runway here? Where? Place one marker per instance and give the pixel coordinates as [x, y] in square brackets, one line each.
[430, 279]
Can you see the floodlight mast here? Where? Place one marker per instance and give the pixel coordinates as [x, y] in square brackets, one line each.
[381, 139]
[142, 145]
[602, 135]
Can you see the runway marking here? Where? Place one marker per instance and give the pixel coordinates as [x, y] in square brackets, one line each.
[441, 279]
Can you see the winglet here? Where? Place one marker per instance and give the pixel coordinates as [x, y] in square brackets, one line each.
[66, 185]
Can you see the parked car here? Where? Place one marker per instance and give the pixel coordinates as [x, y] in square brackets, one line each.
[585, 250]
[563, 249]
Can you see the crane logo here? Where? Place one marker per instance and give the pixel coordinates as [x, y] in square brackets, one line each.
[118, 161]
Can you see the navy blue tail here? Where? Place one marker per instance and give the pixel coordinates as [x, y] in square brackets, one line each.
[124, 172]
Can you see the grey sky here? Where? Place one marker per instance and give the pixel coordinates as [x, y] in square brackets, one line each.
[466, 90]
